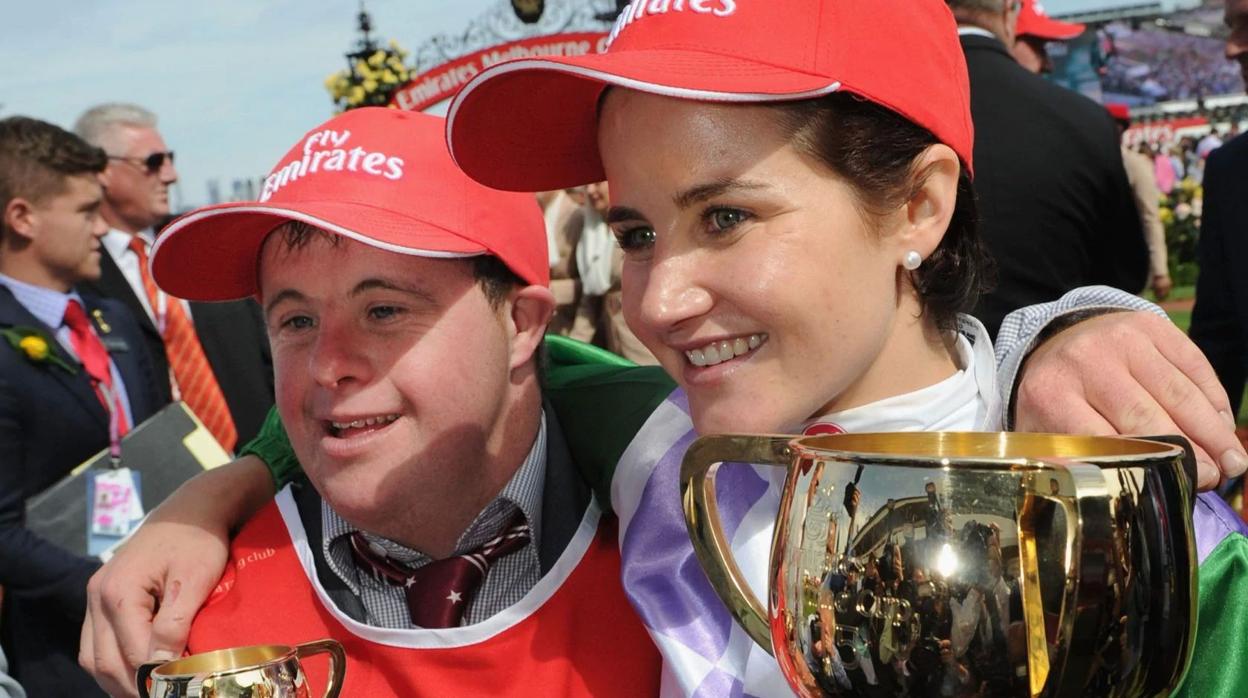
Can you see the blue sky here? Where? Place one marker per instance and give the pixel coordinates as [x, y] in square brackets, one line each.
[234, 82]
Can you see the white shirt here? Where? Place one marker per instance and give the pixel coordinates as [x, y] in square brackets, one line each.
[117, 242]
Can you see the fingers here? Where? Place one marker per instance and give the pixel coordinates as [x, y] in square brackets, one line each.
[1131, 373]
[172, 624]
[1139, 414]
[1174, 401]
[100, 653]
[1185, 356]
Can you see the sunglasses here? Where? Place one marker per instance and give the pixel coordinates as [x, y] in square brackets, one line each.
[152, 163]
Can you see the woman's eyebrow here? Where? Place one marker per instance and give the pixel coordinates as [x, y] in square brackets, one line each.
[689, 197]
[619, 214]
[710, 190]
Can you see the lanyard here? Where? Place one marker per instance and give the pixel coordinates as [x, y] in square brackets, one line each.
[114, 424]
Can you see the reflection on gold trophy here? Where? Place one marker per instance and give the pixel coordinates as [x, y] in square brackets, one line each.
[262, 671]
[960, 564]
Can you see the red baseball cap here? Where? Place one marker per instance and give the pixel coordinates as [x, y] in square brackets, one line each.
[1032, 21]
[375, 175]
[1120, 112]
[530, 124]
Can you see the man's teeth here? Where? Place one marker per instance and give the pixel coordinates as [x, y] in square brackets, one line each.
[719, 352]
[361, 423]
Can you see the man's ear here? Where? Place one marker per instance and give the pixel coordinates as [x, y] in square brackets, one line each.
[531, 310]
[931, 207]
[20, 216]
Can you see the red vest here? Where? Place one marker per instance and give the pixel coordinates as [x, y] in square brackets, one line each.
[574, 634]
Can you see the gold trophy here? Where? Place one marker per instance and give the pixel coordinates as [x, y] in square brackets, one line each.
[964, 564]
[262, 671]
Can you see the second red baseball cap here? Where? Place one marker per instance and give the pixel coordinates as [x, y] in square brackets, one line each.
[1120, 112]
[530, 124]
[1033, 21]
[379, 176]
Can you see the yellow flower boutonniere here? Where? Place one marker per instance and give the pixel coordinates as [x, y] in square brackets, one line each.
[35, 346]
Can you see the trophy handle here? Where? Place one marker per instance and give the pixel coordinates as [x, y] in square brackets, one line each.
[697, 490]
[337, 662]
[142, 675]
[1084, 501]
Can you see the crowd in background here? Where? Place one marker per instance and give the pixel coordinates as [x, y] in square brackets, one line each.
[1165, 65]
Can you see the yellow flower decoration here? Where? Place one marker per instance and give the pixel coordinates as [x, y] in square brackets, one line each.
[371, 79]
[35, 347]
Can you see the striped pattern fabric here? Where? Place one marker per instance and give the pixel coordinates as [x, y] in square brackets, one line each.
[191, 372]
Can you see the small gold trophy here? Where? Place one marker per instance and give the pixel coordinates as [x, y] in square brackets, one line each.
[262, 671]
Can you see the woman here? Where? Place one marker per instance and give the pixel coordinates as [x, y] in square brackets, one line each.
[790, 184]
[796, 253]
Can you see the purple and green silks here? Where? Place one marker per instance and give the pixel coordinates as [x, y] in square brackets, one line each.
[1220, 659]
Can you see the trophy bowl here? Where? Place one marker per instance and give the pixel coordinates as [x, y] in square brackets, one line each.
[260, 671]
[964, 564]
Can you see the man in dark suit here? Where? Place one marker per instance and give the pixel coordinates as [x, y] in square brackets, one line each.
[1220, 318]
[73, 368]
[235, 396]
[1056, 208]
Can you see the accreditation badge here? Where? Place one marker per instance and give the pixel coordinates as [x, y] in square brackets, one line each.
[114, 507]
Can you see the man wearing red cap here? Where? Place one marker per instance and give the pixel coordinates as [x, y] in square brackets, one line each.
[1034, 31]
[443, 533]
[1056, 209]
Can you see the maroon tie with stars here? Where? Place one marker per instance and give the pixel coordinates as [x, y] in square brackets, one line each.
[438, 592]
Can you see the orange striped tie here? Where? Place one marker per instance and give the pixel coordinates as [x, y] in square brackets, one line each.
[192, 375]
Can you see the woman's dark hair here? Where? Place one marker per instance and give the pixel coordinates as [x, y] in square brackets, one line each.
[875, 149]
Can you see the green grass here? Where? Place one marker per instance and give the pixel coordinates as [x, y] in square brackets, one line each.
[1181, 318]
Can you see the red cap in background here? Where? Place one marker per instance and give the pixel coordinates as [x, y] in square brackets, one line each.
[1120, 112]
[1032, 21]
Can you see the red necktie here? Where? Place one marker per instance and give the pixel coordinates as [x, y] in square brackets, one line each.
[192, 373]
[438, 592]
[94, 359]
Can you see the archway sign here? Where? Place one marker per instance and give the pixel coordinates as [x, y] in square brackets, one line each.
[509, 29]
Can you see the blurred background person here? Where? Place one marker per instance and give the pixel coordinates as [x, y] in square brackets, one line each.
[1220, 317]
[73, 369]
[1056, 210]
[213, 356]
[558, 208]
[1034, 30]
[599, 261]
[1147, 197]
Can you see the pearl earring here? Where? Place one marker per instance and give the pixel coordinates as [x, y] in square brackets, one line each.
[912, 260]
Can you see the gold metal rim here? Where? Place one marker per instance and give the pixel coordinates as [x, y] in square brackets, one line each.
[236, 659]
[988, 450]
